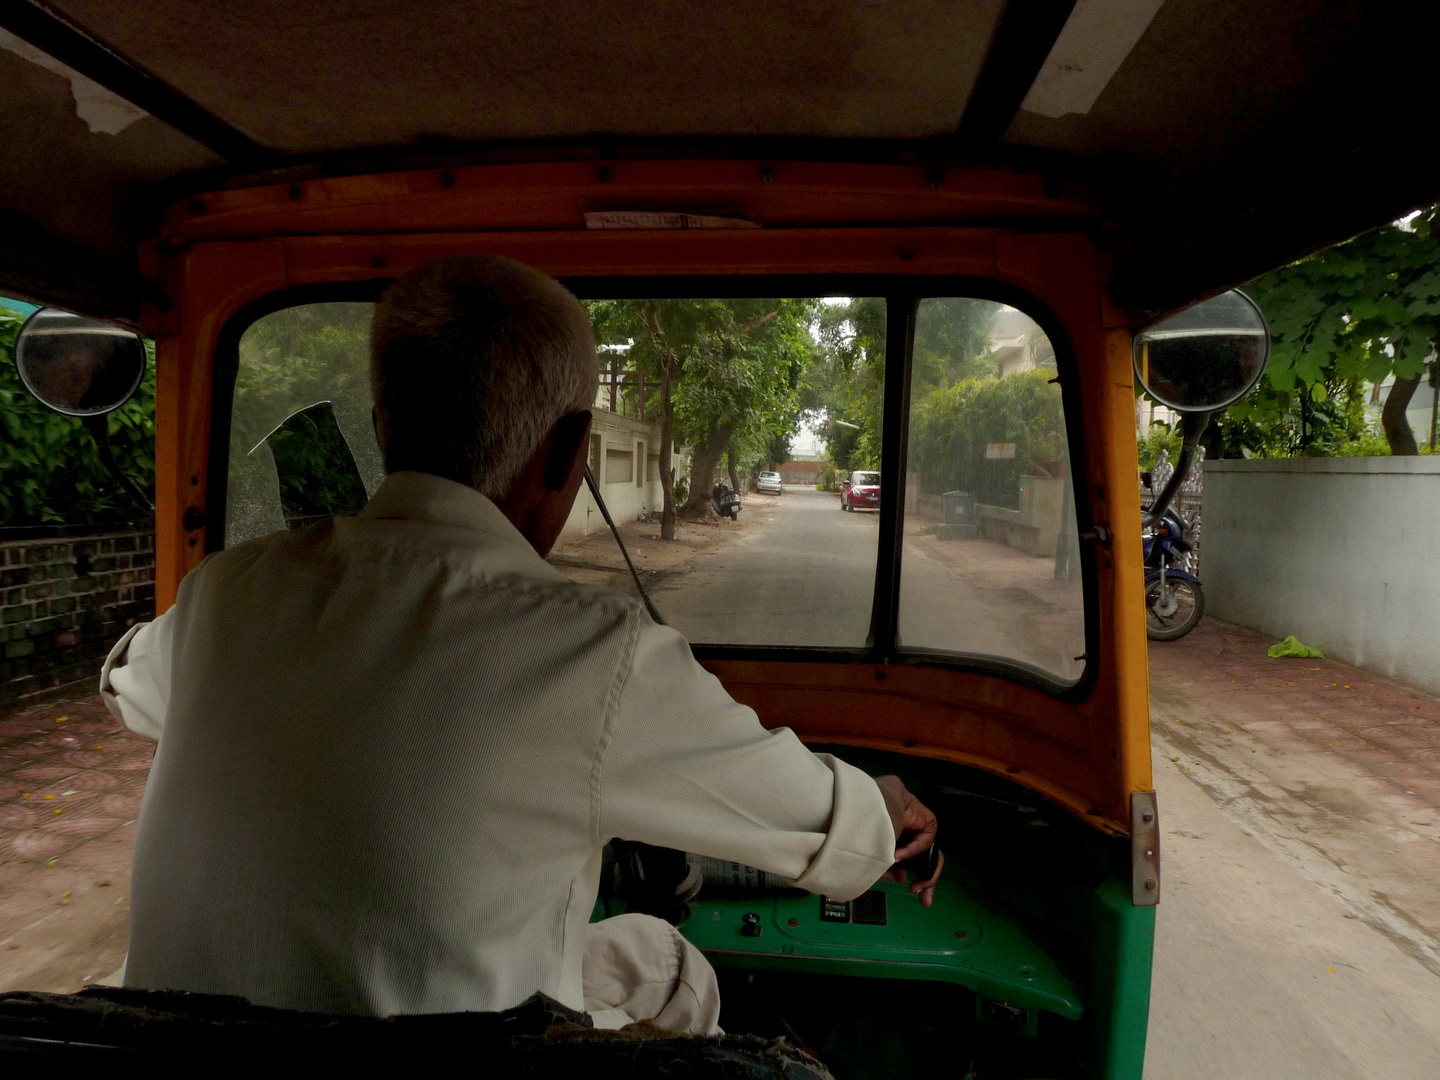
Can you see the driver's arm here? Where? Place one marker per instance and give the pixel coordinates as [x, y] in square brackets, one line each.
[685, 766]
[135, 680]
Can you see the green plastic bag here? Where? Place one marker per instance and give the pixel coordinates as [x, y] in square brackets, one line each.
[1293, 646]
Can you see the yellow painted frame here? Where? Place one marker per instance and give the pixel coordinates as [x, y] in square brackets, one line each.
[216, 254]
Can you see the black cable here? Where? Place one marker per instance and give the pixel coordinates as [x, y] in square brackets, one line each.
[99, 429]
[605, 513]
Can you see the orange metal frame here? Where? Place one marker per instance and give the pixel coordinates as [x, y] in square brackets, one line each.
[216, 254]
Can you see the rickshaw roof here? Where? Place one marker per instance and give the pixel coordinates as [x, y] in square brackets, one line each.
[1221, 137]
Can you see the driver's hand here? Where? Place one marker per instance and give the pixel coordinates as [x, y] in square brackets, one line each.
[915, 830]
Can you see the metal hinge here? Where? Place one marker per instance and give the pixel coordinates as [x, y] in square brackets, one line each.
[1144, 849]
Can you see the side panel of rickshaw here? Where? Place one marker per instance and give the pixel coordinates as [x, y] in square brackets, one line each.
[225, 259]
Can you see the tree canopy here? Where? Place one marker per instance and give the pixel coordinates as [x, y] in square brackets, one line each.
[729, 374]
[1353, 314]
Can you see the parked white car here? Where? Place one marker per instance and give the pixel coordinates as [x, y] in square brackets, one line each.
[768, 483]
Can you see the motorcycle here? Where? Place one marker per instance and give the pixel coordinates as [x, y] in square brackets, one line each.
[1174, 600]
[725, 501]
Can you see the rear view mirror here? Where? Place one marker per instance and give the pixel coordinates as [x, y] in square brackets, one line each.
[78, 366]
[1205, 357]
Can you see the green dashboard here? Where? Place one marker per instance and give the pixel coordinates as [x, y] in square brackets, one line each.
[1032, 938]
[884, 934]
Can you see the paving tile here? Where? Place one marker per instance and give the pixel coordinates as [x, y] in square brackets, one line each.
[41, 773]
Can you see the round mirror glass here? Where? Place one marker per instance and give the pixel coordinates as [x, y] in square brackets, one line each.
[78, 366]
[1204, 357]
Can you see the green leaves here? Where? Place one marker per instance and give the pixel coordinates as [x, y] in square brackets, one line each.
[741, 365]
[52, 471]
[1350, 315]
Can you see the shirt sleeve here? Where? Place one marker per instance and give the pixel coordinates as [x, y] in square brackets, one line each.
[135, 679]
[685, 766]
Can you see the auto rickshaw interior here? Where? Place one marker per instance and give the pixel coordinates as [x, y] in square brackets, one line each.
[1017, 969]
[238, 183]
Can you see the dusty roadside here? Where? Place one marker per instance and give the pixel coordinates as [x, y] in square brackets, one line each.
[596, 560]
[1334, 769]
[71, 780]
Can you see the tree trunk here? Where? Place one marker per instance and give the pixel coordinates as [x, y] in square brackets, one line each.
[730, 462]
[667, 428]
[667, 447]
[703, 460]
[1392, 417]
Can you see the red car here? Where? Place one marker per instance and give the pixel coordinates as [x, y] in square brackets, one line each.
[860, 491]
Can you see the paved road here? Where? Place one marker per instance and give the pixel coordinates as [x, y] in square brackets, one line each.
[1262, 972]
[805, 578]
[803, 573]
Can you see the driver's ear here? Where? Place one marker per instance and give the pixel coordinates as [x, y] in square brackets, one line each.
[569, 439]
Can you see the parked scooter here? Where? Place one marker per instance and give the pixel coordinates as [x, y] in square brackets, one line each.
[725, 501]
[1174, 601]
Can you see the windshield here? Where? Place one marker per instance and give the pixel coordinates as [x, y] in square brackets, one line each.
[749, 390]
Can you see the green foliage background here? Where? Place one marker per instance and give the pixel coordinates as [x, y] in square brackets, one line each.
[739, 364]
[51, 471]
[1350, 315]
[951, 426]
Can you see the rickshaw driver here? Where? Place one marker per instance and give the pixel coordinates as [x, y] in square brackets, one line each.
[393, 746]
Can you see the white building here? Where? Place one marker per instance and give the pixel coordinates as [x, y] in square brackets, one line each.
[625, 460]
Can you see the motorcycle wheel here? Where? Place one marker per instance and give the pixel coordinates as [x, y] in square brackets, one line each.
[1162, 623]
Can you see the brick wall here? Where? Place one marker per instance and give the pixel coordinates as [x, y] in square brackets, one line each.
[63, 603]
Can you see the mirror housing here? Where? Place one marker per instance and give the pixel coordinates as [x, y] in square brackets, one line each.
[77, 366]
[1206, 357]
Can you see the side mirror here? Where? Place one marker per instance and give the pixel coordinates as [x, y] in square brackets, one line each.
[1206, 357]
[78, 366]
[85, 368]
[1196, 362]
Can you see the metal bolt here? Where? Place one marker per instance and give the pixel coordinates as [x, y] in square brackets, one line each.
[1147, 818]
[961, 934]
[792, 922]
[1150, 884]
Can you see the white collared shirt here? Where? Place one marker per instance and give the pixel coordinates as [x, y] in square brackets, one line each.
[392, 747]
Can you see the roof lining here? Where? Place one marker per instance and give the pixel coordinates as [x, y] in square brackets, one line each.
[53, 34]
[1026, 34]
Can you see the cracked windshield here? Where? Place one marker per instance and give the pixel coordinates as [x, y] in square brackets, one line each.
[736, 444]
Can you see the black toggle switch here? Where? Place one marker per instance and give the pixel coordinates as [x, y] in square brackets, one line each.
[750, 924]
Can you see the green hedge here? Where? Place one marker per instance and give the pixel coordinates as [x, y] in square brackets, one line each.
[951, 428]
[50, 471]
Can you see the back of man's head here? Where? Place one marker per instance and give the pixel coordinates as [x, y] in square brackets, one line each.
[472, 361]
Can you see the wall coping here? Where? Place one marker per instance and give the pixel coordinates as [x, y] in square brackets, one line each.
[1428, 465]
[76, 538]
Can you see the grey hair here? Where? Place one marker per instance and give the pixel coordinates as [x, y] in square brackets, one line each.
[472, 360]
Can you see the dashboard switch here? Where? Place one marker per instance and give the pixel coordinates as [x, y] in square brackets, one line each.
[834, 910]
[750, 924]
[870, 909]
